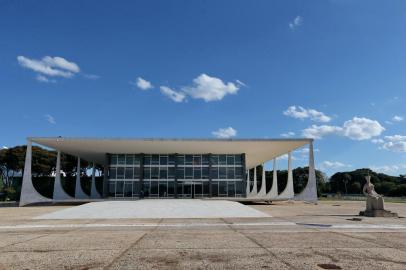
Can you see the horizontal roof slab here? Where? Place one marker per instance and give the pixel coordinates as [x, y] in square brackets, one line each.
[94, 149]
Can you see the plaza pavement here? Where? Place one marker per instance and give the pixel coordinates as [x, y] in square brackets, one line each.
[294, 236]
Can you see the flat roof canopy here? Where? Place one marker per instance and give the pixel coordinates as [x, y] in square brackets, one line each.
[94, 149]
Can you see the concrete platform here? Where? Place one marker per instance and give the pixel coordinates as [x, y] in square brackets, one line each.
[170, 208]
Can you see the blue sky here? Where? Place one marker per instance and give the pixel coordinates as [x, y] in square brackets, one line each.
[332, 70]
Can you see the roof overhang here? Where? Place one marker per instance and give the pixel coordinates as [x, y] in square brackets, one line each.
[94, 149]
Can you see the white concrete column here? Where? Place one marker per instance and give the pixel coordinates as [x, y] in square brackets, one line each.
[288, 192]
[309, 193]
[248, 188]
[59, 192]
[93, 191]
[273, 193]
[29, 194]
[255, 189]
[262, 191]
[79, 193]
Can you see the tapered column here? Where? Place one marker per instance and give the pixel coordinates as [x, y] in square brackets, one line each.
[255, 189]
[29, 194]
[59, 192]
[309, 193]
[79, 194]
[93, 191]
[273, 193]
[262, 191]
[288, 192]
[248, 188]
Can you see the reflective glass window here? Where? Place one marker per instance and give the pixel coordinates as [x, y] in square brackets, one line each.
[214, 159]
[147, 173]
[120, 188]
[180, 173]
[197, 173]
[163, 173]
[223, 188]
[129, 159]
[136, 172]
[128, 189]
[147, 160]
[238, 159]
[197, 161]
[180, 160]
[129, 173]
[137, 160]
[154, 172]
[214, 173]
[205, 159]
[112, 173]
[155, 160]
[230, 173]
[230, 160]
[113, 159]
[222, 160]
[171, 172]
[171, 159]
[188, 172]
[188, 159]
[121, 159]
[205, 173]
[120, 172]
[222, 172]
[163, 160]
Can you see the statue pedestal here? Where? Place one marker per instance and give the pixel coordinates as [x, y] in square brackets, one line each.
[377, 213]
[375, 208]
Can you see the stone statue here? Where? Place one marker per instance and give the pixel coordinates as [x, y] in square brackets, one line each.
[374, 200]
[374, 203]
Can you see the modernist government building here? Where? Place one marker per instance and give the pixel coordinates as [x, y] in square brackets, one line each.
[174, 168]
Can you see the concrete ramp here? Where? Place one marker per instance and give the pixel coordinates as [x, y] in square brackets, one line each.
[159, 208]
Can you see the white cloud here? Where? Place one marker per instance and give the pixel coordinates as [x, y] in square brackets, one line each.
[397, 118]
[299, 112]
[209, 88]
[50, 66]
[288, 134]
[377, 141]
[206, 88]
[326, 165]
[361, 128]
[240, 82]
[4, 147]
[297, 21]
[224, 133]
[388, 169]
[172, 94]
[395, 143]
[142, 84]
[358, 128]
[318, 132]
[50, 119]
[44, 79]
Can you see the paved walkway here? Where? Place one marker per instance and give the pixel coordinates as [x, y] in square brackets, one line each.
[294, 236]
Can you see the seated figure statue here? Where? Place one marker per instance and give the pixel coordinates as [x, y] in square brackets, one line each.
[374, 200]
[375, 207]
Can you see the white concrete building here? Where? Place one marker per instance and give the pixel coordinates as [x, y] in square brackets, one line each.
[174, 168]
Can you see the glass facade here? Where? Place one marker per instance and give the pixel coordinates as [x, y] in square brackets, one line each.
[182, 176]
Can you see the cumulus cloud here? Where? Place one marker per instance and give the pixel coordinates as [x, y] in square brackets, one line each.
[224, 133]
[299, 112]
[172, 94]
[288, 134]
[388, 169]
[50, 66]
[318, 132]
[208, 88]
[397, 118]
[395, 143]
[358, 128]
[362, 128]
[325, 165]
[50, 119]
[142, 84]
[4, 147]
[296, 22]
